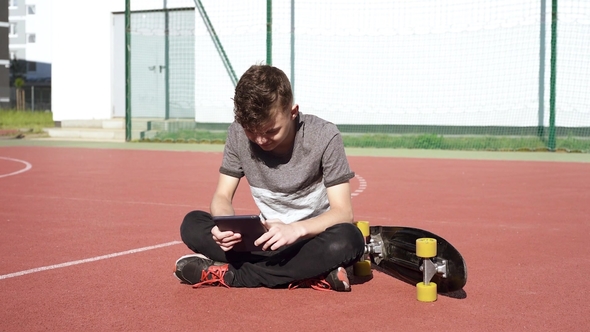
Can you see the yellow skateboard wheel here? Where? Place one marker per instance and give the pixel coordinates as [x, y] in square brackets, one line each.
[426, 293]
[362, 268]
[364, 227]
[426, 247]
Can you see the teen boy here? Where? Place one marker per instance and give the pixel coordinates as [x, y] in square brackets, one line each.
[299, 178]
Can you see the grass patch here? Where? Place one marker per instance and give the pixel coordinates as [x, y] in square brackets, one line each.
[32, 121]
[573, 144]
[425, 141]
[481, 143]
[192, 136]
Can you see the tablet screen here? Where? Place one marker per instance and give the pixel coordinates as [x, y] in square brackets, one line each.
[249, 226]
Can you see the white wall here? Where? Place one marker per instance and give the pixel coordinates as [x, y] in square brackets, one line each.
[456, 62]
[81, 53]
[477, 62]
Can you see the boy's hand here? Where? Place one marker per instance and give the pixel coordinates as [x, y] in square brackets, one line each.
[279, 234]
[226, 240]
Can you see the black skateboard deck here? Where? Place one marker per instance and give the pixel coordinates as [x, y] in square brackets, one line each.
[398, 257]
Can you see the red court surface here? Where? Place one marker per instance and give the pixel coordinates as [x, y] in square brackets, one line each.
[89, 238]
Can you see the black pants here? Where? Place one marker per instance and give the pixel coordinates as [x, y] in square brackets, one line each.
[339, 245]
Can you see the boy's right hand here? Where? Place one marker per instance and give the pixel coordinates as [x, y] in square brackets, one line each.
[226, 240]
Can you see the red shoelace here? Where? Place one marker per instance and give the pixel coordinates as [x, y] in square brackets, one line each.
[317, 284]
[213, 276]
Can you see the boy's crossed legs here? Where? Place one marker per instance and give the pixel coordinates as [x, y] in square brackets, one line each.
[318, 262]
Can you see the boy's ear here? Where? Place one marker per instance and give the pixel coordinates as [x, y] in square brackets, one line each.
[294, 111]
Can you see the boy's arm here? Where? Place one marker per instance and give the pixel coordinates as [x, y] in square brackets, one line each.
[221, 204]
[340, 211]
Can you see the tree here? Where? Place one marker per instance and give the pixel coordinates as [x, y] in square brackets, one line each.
[20, 93]
[17, 73]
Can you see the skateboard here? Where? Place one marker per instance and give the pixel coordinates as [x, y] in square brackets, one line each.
[414, 256]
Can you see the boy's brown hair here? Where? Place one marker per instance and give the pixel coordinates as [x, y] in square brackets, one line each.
[257, 92]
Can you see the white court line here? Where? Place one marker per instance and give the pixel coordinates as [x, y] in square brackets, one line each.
[87, 260]
[362, 186]
[28, 166]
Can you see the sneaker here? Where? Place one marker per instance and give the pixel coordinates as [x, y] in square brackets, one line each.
[181, 262]
[336, 280]
[198, 270]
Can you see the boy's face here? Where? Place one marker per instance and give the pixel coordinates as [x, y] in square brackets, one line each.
[277, 134]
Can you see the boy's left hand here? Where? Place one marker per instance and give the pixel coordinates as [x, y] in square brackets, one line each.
[279, 234]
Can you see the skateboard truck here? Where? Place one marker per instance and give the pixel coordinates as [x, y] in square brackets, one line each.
[431, 267]
[362, 268]
[375, 249]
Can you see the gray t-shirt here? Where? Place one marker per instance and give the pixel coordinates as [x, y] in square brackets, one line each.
[292, 188]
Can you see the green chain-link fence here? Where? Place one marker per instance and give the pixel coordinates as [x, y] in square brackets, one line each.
[495, 75]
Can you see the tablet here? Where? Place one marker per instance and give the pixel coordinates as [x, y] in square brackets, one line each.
[249, 226]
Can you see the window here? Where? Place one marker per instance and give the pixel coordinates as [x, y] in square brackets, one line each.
[31, 38]
[12, 3]
[31, 10]
[12, 30]
[31, 66]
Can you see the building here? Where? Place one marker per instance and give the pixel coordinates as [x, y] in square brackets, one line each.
[4, 60]
[29, 47]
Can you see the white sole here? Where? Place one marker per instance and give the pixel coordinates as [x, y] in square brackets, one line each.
[185, 256]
